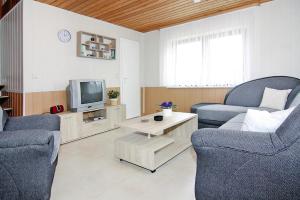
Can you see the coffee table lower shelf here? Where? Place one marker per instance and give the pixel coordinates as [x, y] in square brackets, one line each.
[149, 153]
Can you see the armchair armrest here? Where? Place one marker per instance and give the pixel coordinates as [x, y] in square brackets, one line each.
[249, 142]
[44, 122]
[26, 169]
[21, 138]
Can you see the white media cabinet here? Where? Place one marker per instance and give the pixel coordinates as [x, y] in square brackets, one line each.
[78, 125]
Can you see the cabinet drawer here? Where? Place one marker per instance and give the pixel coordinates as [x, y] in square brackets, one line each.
[68, 127]
[116, 114]
[92, 128]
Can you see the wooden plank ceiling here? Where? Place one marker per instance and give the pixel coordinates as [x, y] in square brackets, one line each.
[148, 15]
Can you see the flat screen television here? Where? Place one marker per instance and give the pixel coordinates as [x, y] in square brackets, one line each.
[86, 95]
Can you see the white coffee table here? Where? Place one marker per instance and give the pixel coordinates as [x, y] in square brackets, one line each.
[154, 143]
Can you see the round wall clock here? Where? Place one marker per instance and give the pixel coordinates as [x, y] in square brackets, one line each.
[64, 36]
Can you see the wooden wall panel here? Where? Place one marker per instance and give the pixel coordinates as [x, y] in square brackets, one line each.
[40, 102]
[15, 102]
[184, 98]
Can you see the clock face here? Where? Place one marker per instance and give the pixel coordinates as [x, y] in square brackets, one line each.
[64, 36]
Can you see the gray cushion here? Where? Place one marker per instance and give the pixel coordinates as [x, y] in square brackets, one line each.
[223, 113]
[292, 98]
[235, 123]
[289, 131]
[44, 122]
[296, 101]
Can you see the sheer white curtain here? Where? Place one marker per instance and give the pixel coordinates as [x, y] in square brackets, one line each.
[206, 54]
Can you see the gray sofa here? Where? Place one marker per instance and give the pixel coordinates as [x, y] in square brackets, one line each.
[28, 157]
[232, 164]
[241, 98]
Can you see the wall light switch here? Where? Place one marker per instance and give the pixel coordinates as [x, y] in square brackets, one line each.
[34, 76]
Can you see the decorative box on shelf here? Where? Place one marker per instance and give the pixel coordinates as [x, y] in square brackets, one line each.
[90, 45]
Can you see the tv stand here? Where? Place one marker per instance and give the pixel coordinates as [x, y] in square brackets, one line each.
[79, 125]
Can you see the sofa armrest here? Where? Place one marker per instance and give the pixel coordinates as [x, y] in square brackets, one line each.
[248, 142]
[22, 138]
[45, 122]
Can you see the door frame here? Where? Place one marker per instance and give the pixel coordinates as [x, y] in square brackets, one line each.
[122, 75]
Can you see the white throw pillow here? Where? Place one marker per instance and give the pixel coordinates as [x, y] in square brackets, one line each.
[263, 121]
[275, 99]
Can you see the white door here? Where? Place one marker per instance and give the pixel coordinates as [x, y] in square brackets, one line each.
[130, 77]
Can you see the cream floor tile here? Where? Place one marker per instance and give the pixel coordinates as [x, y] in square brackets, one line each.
[88, 170]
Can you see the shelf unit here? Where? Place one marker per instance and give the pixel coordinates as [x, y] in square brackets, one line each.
[90, 45]
[3, 100]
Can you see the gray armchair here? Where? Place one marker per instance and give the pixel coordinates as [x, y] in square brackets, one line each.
[27, 162]
[233, 164]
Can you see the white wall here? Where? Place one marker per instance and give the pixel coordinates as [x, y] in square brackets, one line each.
[274, 49]
[50, 64]
[151, 59]
[277, 39]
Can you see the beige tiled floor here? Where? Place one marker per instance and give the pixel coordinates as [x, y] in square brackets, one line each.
[88, 170]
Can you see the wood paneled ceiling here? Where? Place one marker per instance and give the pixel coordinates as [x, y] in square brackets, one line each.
[148, 15]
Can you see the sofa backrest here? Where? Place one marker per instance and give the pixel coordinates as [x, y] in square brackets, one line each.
[289, 131]
[250, 93]
[293, 98]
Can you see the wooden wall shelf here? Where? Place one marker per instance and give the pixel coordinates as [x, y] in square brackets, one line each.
[8, 109]
[3, 101]
[90, 45]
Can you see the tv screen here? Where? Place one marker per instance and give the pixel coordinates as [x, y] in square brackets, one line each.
[91, 92]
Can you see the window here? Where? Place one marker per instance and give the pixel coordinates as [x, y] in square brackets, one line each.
[213, 60]
[188, 63]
